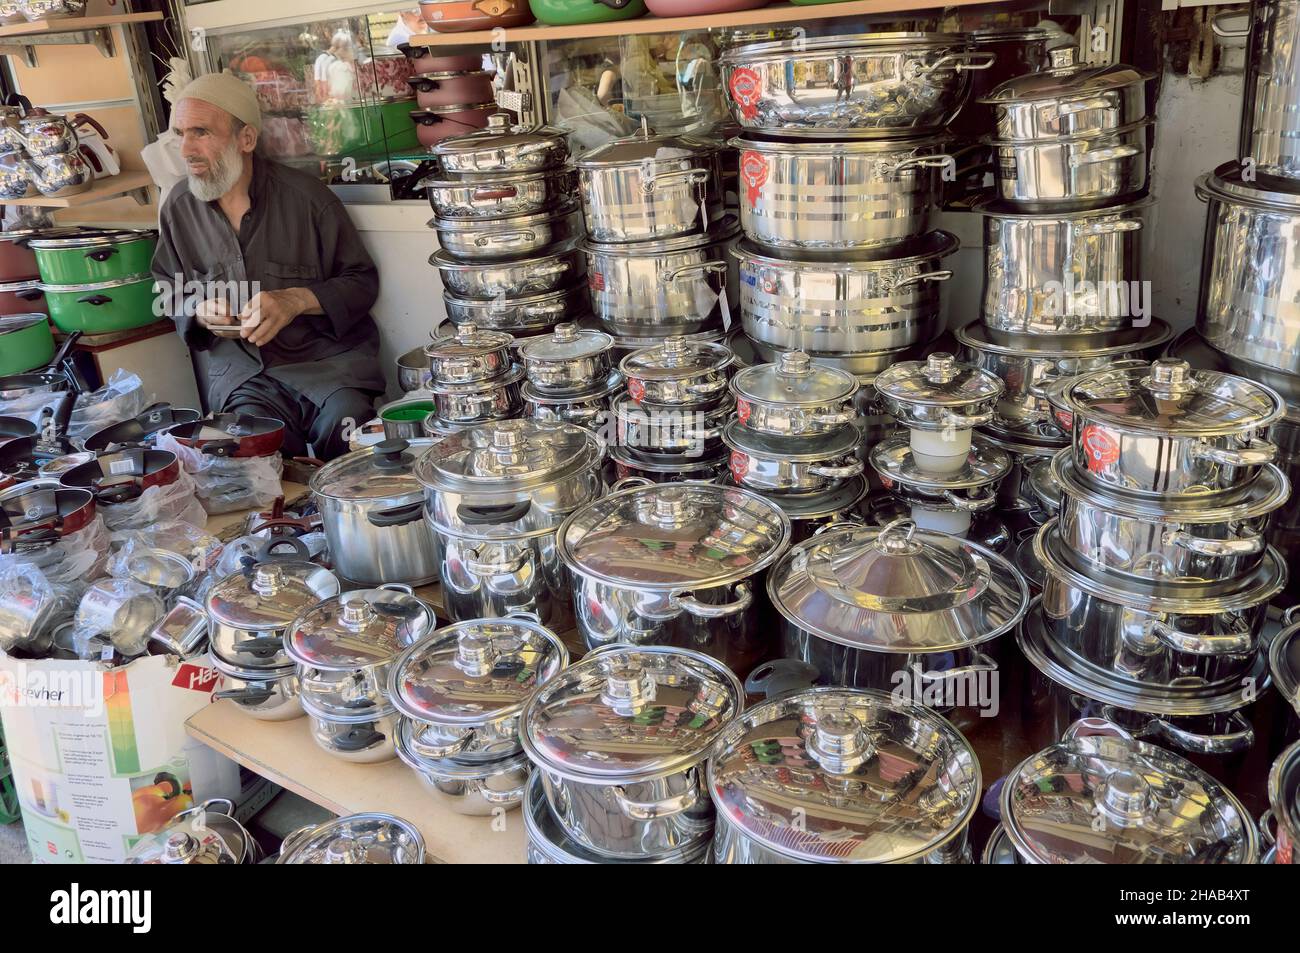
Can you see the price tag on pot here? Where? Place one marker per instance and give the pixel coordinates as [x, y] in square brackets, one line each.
[887, 483]
[636, 389]
[754, 172]
[743, 410]
[746, 87]
[725, 308]
[739, 465]
[1100, 449]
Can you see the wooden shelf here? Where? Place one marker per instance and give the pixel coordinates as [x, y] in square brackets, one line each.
[772, 15]
[75, 24]
[285, 753]
[124, 183]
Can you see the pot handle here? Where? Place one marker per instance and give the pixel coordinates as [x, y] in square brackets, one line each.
[261, 647]
[942, 275]
[1259, 453]
[1246, 546]
[710, 388]
[628, 482]
[698, 270]
[982, 663]
[780, 677]
[398, 516]
[702, 610]
[649, 810]
[1216, 24]
[836, 419]
[953, 419]
[476, 564]
[938, 160]
[1088, 727]
[1103, 155]
[499, 797]
[492, 515]
[970, 504]
[1266, 820]
[1289, 615]
[357, 739]
[1110, 228]
[559, 268]
[31, 294]
[95, 300]
[692, 176]
[81, 119]
[960, 62]
[1241, 738]
[1212, 643]
[844, 472]
[251, 695]
[1083, 105]
[526, 234]
[501, 192]
[101, 255]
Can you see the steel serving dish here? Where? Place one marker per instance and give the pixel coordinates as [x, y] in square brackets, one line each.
[497, 399]
[569, 361]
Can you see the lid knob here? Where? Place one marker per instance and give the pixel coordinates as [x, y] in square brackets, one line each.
[565, 333]
[1169, 377]
[940, 368]
[180, 848]
[267, 579]
[674, 347]
[499, 121]
[504, 438]
[466, 333]
[1125, 797]
[356, 613]
[839, 743]
[1062, 58]
[628, 689]
[389, 454]
[898, 538]
[343, 851]
[793, 364]
[475, 655]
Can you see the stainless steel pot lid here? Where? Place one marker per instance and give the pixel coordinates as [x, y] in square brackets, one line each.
[938, 381]
[644, 147]
[612, 384]
[567, 343]
[501, 146]
[1045, 486]
[917, 145]
[929, 247]
[507, 224]
[1284, 663]
[1026, 561]
[449, 769]
[160, 568]
[677, 358]
[486, 386]
[1110, 799]
[897, 589]
[195, 836]
[842, 499]
[839, 442]
[722, 231]
[795, 381]
[742, 55]
[995, 207]
[1066, 81]
[1170, 397]
[985, 465]
[358, 629]
[474, 672]
[1089, 137]
[509, 455]
[356, 839]
[383, 471]
[445, 261]
[1225, 185]
[269, 595]
[832, 775]
[93, 240]
[1074, 347]
[674, 538]
[467, 341]
[628, 713]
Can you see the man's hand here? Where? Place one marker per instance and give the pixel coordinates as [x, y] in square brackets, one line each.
[271, 311]
[214, 313]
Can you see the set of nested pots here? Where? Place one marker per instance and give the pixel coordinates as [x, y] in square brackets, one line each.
[570, 377]
[937, 468]
[473, 378]
[509, 228]
[1157, 573]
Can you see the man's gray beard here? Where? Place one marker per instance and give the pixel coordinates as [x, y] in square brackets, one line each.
[222, 176]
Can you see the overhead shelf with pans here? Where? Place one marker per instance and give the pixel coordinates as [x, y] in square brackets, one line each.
[127, 182]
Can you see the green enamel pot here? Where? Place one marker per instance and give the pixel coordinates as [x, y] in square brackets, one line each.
[569, 12]
[94, 258]
[100, 307]
[25, 343]
[364, 129]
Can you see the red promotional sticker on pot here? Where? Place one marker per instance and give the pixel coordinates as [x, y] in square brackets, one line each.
[622, 470]
[753, 169]
[1285, 849]
[746, 86]
[1065, 419]
[596, 281]
[743, 411]
[887, 483]
[636, 389]
[1099, 448]
[739, 465]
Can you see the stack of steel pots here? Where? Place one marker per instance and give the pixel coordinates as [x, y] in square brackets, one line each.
[460, 691]
[620, 741]
[1157, 571]
[473, 380]
[670, 422]
[570, 377]
[657, 238]
[839, 171]
[509, 228]
[937, 471]
[793, 440]
[495, 496]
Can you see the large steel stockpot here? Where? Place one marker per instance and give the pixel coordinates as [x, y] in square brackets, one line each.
[677, 285]
[1249, 304]
[1100, 796]
[830, 775]
[548, 270]
[620, 740]
[678, 371]
[495, 496]
[1284, 804]
[827, 304]
[568, 360]
[501, 147]
[1168, 431]
[1064, 272]
[1193, 540]
[870, 85]
[676, 564]
[644, 188]
[516, 236]
[805, 464]
[1152, 633]
[899, 609]
[841, 196]
[793, 397]
[463, 686]
[1270, 115]
[372, 513]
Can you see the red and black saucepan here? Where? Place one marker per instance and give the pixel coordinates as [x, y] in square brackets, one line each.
[33, 519]
[140, 430]
[21, 459]
[122, 476]
[232, 435]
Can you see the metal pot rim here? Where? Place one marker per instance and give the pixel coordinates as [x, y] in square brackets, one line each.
[1068, 138]
[994, 207]
[88, 241]
[1224, 185]
[612, 383]
[514, 376]
[942, 244]
[468, 180]
[506, 223]
[904, 41]
[338, 718]
[97, 286]
[505, 302]
[979, 337]
[721, 234]
[793, 146]
[690, 465]
[833, 444]
[445, 261]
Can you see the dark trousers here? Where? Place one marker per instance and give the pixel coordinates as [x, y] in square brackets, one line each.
[326, 428]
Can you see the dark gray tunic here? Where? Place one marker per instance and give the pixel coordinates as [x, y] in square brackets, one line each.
[296, 234]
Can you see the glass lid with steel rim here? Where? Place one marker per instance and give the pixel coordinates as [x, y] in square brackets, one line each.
[476, 671]
[468, 341]
[566, 343]
[642, 146]
[386, 469]
[835, 775]
[677, 358]
[835, 44]
[1065, 79]
[512, 224]
[195, 836]
[898, 589]
[270, 594]
[1169, 397]
[358, 629]
[508, 455]
[894, 459]
[939, 380]
[1107, 798]
[356, 839]
[630, 712]
[1284, 663]
[794, 380]
[501, 146]
[674, 536]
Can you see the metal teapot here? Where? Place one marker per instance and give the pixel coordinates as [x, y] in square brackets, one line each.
[58, 176]
[40, 132]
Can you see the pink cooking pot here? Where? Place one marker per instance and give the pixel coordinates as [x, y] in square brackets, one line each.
[23, 297]
[434, 125]
[449, 88]
[424, 59]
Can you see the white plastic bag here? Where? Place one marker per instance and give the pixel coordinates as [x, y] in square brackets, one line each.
[184, 539]
[74, 562]
[122, 398]
[157, 504]
[229, 484]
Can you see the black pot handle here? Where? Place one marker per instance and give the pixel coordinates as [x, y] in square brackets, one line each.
[253, 696]
[614, 4]
[398, 516]
[31, 294]
[267, 552]
[118, 493]
[489, 515]
[357, 739]
[261, 647]
[101, 254]
[780, 677]
[97, 300]
[391, 454]
[18, 99]
[220, 448]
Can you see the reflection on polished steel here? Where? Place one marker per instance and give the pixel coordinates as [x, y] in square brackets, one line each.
[527, 313]
[521, 236]
[1074, 171]
[1270, 121]
[498, 196]
[569, 362]
[939, 394]
[551, 270]
[496, 577]
[497, 399]
[804, 464]
[794, 397]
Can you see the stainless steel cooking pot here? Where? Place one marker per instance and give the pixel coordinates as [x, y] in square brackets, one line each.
[469, 355]
[660, 468]
[478, 789]
[204, 834]
[367, 737]
[497, 399]
[678, 371]
[517, 236]
[830, 305]
[498, 195]
[970, 488]
[620, 739]
[676, 564]
[355, 839]
[809, 512]
[1081, 171]
[806, 195]
[568, 361]
[1016, 495]
[794, 397]
[501, 147]
[671, 429]
[806, 464]
[523, 314]
[1270, 115]
[549, 270]
[939, 394]
[816, 778]
[590, 409]
[264, 694]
